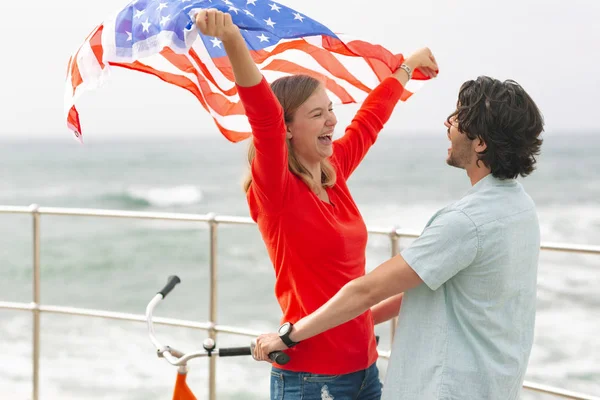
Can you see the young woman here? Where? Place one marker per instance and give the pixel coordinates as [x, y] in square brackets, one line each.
[313, 231]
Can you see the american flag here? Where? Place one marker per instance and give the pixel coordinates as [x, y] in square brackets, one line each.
[159, 37]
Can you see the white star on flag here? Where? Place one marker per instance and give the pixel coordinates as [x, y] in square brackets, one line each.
[269, 22]
[161, 6]
[253, 2]
[263, 38]
[146, 26]
[164, 20]
[216, 42]
[138, 13]
[249, 13]
[298, 16]
[275, 7]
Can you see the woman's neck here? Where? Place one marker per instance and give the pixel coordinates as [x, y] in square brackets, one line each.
[315, 171]
[313, 167]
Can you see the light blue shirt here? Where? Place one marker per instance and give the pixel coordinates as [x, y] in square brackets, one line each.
[467, 332]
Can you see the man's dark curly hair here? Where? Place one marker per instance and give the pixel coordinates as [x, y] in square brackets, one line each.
[502, 115]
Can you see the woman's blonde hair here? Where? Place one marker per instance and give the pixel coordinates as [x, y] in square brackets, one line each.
[292, 92]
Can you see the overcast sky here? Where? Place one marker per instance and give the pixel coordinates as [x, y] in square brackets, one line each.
[550, 47]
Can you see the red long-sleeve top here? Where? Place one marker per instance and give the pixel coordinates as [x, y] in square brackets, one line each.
[315, 247]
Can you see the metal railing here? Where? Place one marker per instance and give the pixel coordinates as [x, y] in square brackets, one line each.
[213, 220]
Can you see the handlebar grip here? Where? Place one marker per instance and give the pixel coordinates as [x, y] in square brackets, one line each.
[172, 281]
[279, 357]
[235, 351]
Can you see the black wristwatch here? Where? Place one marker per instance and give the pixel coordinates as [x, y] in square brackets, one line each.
[284, 333]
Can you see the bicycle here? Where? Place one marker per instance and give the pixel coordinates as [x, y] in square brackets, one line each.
[180, 359]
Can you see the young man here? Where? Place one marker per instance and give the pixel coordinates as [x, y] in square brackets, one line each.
[466, 323]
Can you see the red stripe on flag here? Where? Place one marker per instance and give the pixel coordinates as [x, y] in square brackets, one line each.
[295, 69]
[206, 73]
[224, 66]
[95, 38]
[73, 121]
[382, 61]
[216, 101]
[96, 45]
[76, 79]
[325, 59]
[184, 83]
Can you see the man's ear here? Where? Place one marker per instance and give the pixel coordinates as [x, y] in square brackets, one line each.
[479, 145]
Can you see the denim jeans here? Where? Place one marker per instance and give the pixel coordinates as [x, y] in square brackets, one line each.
[361, 385]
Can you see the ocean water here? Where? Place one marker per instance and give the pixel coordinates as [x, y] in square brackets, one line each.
[118, 265]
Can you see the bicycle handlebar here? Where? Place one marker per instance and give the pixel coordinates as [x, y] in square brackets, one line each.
[177, 358]
[277, 356]
[171, 282]
[235, 351]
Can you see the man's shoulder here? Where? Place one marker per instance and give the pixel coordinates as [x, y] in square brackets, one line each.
[452, 217]
[491, 205]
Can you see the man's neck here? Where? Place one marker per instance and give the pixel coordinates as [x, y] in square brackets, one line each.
[476, 173]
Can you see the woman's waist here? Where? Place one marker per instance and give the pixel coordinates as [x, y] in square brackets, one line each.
[337, 351]
[358, 331]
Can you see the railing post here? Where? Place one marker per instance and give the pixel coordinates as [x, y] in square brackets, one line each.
[212, 366]
[36, 300]
[394, 241]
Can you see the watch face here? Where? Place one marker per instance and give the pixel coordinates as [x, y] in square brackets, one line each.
[283, 329]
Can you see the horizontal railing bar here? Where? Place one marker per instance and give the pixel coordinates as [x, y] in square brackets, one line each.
[82, 212]
[230, 330]
[14, 210]
[226, 219]
[7, 305]
[229, 219]
[565, 394]
[571, 248]
[86, 312]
